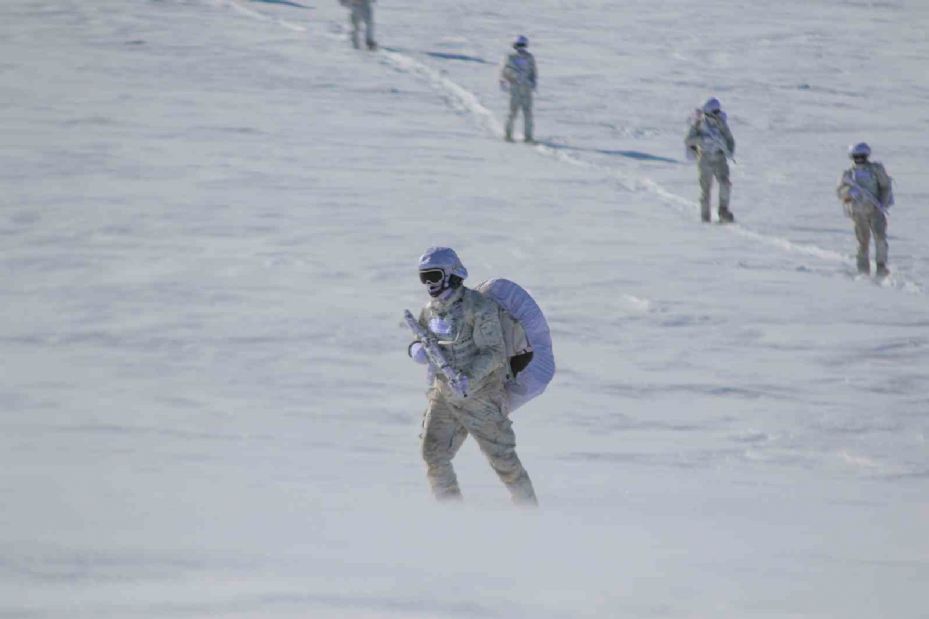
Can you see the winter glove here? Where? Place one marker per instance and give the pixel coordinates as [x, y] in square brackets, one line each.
[504, 86]
[417, 353]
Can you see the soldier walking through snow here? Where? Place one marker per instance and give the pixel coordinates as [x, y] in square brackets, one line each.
[468, 395]
[520, 77]
[712, 142]
[866, 192]
[361, 12]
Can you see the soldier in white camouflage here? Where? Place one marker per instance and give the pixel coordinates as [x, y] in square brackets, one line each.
[866, 192]
[361, 13]
[712, 142]
[520, 77]
[467, 326]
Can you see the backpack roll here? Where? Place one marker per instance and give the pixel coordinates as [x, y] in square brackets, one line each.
[527, 338]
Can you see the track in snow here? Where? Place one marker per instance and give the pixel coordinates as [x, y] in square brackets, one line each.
[461, 99]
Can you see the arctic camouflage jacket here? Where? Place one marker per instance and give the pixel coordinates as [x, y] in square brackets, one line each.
[870, 176]
[710, 136]
[467, 327]
[519, 70]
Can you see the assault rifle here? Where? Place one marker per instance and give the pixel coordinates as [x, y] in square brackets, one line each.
[434, 353]
[864, 193]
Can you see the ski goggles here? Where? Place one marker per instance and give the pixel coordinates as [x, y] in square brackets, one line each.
[431, 276]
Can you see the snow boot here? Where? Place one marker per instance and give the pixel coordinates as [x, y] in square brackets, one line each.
[704, 212]
[864, 265]
[725, 215]
[882, 270]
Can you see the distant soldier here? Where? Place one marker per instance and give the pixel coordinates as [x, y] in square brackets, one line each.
[866, 192]
[361, 11]
[711, 141]
[520, 77]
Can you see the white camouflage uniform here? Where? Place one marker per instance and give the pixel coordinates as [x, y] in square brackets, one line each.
[713, 141]
[873, 184]
[362, 12]
[520, 74]
[471, 337]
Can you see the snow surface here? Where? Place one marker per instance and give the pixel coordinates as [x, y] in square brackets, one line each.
[211, 215]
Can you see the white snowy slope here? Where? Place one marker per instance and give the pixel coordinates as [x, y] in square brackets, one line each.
[210, 215]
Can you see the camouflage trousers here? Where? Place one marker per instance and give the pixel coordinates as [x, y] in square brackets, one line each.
[870, 220]
[520, 99]
[449, 421]
[710, 167]
[362, 13]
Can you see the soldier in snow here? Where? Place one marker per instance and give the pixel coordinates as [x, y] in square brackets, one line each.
[711, 141]
[866, 193]
[472, 400]
[361, 12]
[520, 77]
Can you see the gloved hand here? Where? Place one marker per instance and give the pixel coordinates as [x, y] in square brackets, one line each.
[459, 384]
[504, 86]
[417, 353]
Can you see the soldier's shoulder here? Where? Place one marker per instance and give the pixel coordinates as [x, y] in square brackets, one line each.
[478, 301]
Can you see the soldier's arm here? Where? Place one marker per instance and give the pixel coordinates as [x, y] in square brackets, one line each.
[488, 337]
[533, 74]
[843, 188]
[883, 184]
[506, 73]
[693, 136]
[730, 141]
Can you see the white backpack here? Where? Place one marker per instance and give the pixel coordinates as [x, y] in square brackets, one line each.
[527, 338]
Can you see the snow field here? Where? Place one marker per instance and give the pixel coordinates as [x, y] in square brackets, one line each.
[211, 214]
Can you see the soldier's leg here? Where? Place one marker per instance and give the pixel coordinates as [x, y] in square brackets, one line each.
[356, 26]
[527, 115]
[368, 13]
[514, 108]
[442, 435]
[485, 418]
[705, 170]
[863, 234]
[725, 188]
[879, 228]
